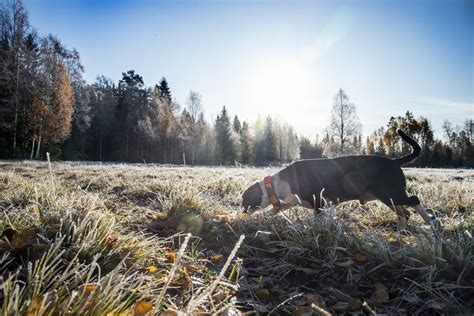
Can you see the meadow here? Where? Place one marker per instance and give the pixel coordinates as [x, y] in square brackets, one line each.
[136, 239]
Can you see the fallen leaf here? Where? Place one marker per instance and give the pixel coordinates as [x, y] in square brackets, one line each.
[263, 293]
[245, 217]
[27, 236]
[356, 277]
[169, 313]
[152, 269]
[356, 304]
[380, 296]
[142, 308]
[216, 258]
[190, 268]
[396, 264]
[379, 286]
[109, 240]
[346, 264]
[392, 240]
[88, 289]
[315, 299]
[170, 256]
[360, 257]
[340, 307]
[302, 311]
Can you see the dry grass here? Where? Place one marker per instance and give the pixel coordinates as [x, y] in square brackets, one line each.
[98, 239]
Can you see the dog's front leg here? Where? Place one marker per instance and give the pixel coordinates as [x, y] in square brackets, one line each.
[285, 204]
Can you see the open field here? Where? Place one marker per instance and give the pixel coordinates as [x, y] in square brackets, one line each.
[96, 239]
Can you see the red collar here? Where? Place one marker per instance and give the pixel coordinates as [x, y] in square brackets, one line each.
[268, 182]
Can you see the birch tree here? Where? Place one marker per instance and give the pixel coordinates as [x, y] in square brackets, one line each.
[344, 122]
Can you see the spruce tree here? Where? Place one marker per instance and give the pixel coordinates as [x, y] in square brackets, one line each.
[226, 153]
[165, 91]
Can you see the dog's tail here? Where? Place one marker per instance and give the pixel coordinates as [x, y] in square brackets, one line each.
[416, 148]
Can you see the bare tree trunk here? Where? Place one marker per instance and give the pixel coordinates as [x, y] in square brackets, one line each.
[16, 106]
[32, 148]
[126, 147]
[38, 148]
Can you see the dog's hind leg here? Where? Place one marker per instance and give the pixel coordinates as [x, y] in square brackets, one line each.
[402, 216]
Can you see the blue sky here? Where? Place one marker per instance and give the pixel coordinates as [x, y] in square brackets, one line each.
[287, 59]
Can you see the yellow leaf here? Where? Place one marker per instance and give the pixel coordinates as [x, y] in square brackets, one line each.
[263, 293]
[152, 269]
[142, 308]
[88, 289]
[216, 258]
[360, 257]
[392, 240]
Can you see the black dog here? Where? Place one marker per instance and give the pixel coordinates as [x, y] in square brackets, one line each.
[310, 182]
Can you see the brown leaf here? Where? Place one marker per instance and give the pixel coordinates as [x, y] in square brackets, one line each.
[216, 258]
[360, 257]
[356, 304]
[109, 240]
[263, 293]
[170, 256]
[27, 236]
[340, 307]
[142, 308]
[379, 286]
[356, 277]
[9, 233]
[396, 264]
[380, 296]
[302, 311]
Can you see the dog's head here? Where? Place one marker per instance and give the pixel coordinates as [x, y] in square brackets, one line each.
[253, 198]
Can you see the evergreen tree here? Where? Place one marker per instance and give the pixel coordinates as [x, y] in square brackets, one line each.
[269, 142]
[164, 90]
[236, 125]
[246, 144]
[309, 150]
[226, 153]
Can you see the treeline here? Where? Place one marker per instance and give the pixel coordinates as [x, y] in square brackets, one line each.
[455, 150]
[46, 106]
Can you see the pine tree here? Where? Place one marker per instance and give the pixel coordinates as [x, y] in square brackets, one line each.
[246, 144]
[226, 153]
[165, 91]
[236, 125]
[270, 145]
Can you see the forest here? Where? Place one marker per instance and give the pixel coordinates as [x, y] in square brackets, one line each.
[47, 106]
